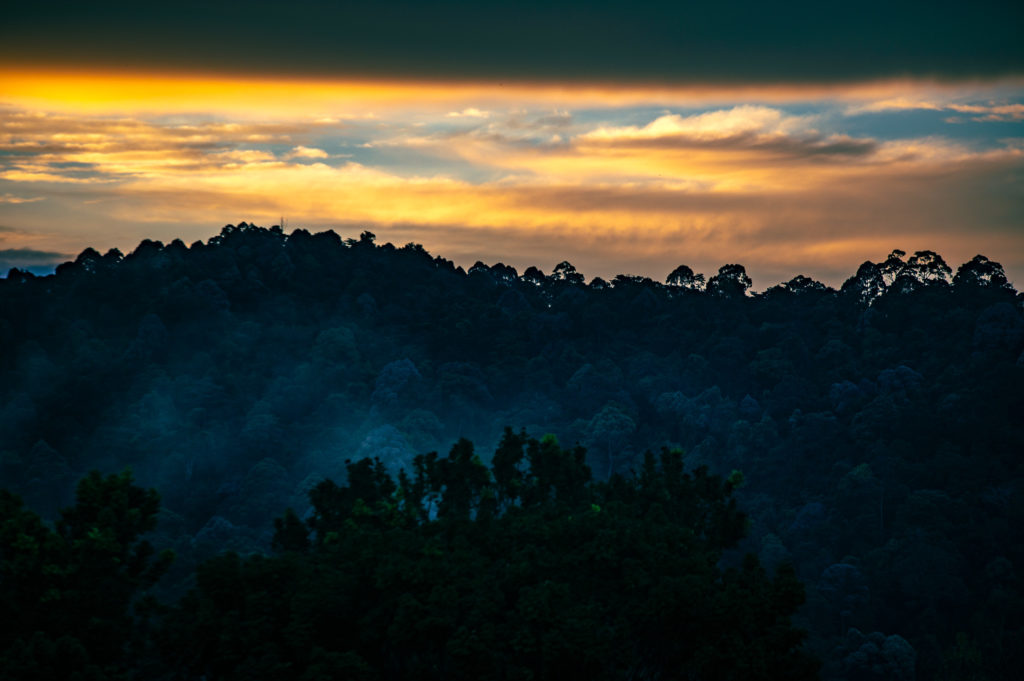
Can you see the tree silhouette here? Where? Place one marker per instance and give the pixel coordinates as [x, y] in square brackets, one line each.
[731, 282]
[684, 277]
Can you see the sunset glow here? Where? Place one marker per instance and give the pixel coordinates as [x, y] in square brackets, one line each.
[788, 179]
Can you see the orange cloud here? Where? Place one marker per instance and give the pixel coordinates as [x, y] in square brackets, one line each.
[11, 198]
[990, 111]
[255, 98]
[748, 183]
[913, 207]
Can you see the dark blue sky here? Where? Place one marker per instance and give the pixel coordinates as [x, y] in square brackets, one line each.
[672, 42]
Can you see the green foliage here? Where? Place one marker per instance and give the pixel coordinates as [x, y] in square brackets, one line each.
[290, 533]
[559, 577]
[67, 594]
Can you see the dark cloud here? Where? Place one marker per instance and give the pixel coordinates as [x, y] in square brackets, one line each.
[804, 147]
[29, 256]
[529, 40]
[29, 260]
[561, 119]
[634, 200]
[555, 120]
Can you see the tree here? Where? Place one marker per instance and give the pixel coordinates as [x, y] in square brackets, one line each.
[533, 275]
[534, 589]
[506, 467]
[564, 271]
[290, 533]
[893, 266]
[366, 240]
[609, 429]
[683, 277]
[73, 588]
[731, 281]
[979, 272]
[479, 268]
[928, 267]
[463, 477]
[867, 284]
[504, 273]
[802, 284]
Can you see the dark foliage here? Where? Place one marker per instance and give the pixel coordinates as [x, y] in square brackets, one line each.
[879, 425]
[436, 578]
[69, 606]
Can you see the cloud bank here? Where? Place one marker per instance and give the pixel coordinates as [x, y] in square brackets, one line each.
[812, 187]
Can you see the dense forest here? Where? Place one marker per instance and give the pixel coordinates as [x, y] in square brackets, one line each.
[636, 479]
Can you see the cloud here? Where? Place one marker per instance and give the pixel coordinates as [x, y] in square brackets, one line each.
[307, 152]
[821, 224]
[556, 119]
[516, 131]
[893, 104]
[11, 198]
[713, 125]
[330, 102]
[673, 164]
[339, 118]
[20, 175]
[772, 186]
[57, 148]
[831, 205]
[524, 121]
[754, 128]
[989, 111]
[470, 112]
[29, 256]
[235, 156]
[992, 112]
[97, 132]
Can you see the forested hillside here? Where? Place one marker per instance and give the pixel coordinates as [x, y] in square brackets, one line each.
[878, 429]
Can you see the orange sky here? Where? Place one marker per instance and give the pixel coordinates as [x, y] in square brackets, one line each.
[784, 179]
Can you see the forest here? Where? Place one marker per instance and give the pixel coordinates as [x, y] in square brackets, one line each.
[296, 455]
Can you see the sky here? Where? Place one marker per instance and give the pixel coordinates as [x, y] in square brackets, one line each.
[802, 139]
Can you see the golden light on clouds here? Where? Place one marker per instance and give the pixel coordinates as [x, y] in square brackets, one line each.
[268, 98]
[612, 178]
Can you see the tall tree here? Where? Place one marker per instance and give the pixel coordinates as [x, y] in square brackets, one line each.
[67, 594]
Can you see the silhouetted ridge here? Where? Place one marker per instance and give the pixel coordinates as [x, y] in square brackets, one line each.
[877, 426]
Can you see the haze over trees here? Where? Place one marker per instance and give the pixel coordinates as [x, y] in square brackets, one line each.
[877, 428]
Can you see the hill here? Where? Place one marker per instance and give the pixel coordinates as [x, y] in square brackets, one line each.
[877, 427]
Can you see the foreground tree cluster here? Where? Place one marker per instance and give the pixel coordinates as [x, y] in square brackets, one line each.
[878, 425]
[528, 570]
